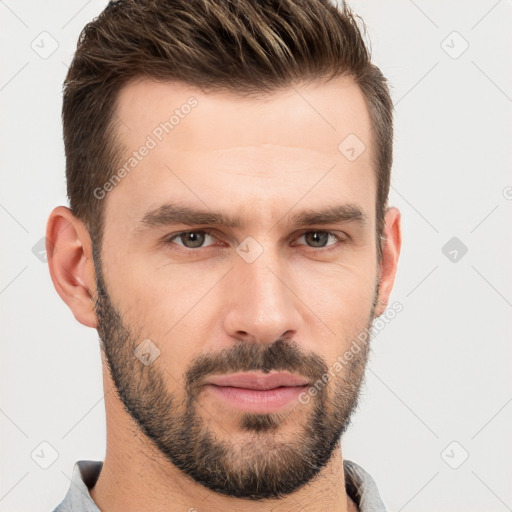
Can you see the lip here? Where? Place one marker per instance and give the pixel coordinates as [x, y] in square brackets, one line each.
[258, 381]
[257, 392]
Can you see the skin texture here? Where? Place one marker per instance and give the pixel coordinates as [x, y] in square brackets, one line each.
[262, 160]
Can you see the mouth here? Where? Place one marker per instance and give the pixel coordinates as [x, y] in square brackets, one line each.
[257, 392]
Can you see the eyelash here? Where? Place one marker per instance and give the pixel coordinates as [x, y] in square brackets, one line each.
[340, 239]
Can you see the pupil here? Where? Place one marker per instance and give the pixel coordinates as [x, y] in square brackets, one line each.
[318, 239]
[196, 239]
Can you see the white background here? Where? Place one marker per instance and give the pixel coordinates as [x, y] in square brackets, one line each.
[440, 371]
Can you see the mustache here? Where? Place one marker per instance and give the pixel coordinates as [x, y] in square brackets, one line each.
[281, 355]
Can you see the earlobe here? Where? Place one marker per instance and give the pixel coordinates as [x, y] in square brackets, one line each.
[391, 245]
[68, 247]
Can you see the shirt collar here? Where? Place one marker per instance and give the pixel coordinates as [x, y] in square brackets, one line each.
[359, 484]
[362, 488]
[78, 499]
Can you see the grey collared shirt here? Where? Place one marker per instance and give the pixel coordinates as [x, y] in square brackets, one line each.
[359, 484]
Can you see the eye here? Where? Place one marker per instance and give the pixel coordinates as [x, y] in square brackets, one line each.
[190, 239]
[196, 239]
[319, 239]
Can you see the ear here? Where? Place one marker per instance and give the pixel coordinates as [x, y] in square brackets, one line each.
[69, 252]
[392, 242]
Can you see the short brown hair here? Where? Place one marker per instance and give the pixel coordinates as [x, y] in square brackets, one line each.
[248, 47]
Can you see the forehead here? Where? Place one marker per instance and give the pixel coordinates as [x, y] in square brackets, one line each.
[313, 115]
[225, 150]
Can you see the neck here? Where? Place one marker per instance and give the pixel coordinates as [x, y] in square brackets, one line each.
[136, 478]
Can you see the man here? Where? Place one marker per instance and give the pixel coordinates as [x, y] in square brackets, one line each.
[228, 167]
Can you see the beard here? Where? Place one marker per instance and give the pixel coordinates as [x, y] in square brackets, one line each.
[265, 464]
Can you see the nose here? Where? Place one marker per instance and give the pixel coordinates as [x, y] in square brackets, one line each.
[262, 305]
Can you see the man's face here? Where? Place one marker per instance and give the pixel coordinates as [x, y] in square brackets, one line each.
[267, 297]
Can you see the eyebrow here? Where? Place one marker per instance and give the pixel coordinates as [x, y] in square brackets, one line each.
[170, 214]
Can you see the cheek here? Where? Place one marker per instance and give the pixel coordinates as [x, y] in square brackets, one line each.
[340, 289]
[343, 299]
[162, 310]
